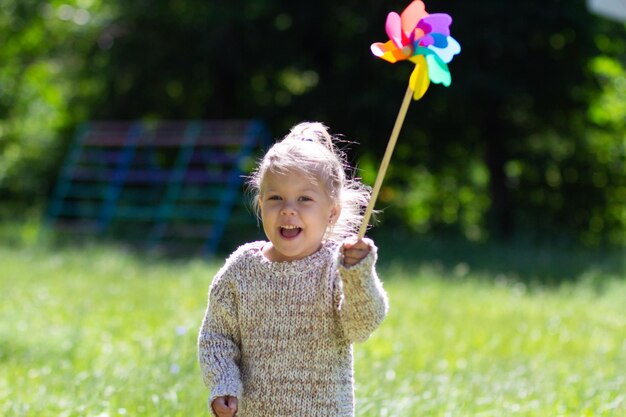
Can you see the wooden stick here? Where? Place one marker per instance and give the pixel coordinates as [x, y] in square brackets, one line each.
[386, 158]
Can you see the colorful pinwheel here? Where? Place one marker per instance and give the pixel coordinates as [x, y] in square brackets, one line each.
[423, 39]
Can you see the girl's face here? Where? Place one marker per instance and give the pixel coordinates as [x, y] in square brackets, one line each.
[295, 214]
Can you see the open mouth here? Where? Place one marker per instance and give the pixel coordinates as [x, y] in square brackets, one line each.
[290, 231]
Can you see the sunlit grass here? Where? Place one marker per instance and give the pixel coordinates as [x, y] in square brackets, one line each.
[469, 347]
[97, 332]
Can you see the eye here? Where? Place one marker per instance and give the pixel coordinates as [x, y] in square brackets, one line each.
[305, 198]
[274, 197]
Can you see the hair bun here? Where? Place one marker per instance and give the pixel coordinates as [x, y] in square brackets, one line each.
[311, 132]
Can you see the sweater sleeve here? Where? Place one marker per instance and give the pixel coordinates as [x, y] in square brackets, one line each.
[219, 340]
[360, 297]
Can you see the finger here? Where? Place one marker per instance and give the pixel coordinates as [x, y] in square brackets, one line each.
[219, 405]
[225, 412]
[350, 263]
[353, 243]
[361, 244]
[232, 403]
[360, 248]
[349, 242]
[356, 256]
[357, 253]
[351, 260]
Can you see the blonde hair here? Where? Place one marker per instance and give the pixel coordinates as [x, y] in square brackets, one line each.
[309, 149]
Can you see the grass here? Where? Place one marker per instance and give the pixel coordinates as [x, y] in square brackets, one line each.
[94, 331]
[473, 348]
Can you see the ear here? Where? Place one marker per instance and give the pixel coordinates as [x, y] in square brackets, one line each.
[335, 211]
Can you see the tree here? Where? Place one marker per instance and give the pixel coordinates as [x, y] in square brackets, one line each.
[517, 143]
[44, 46]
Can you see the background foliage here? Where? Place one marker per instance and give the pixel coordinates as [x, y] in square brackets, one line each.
[530, 138]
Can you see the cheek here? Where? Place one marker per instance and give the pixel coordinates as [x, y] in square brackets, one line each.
[268, 211]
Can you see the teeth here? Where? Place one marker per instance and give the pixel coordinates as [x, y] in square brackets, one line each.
[289, 227]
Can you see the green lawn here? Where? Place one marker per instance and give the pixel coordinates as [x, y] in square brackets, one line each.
[97, 332]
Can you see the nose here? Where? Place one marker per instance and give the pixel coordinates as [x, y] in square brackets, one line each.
[288, 209]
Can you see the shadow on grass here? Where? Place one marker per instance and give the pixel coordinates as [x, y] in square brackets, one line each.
[517, 259]
[35, 235]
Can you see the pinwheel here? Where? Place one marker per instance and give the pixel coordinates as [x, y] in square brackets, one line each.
[425, 40]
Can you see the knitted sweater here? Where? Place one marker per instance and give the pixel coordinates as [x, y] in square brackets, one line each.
[278, 335]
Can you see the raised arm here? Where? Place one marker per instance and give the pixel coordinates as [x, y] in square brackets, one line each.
[361, 299]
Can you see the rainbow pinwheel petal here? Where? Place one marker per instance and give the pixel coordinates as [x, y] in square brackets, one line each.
[419, 81]
[389, 52]
[410, 18]
[436, 23]
[447, 50]
[423, 39]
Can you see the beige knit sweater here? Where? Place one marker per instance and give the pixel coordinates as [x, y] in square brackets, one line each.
[278, 335]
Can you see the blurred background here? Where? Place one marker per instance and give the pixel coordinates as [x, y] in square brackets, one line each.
[502, 234]
[529, 142]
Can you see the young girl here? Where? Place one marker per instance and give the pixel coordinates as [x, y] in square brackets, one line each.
[276, 339]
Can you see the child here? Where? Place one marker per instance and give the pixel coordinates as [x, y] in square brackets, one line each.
[276, 339]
